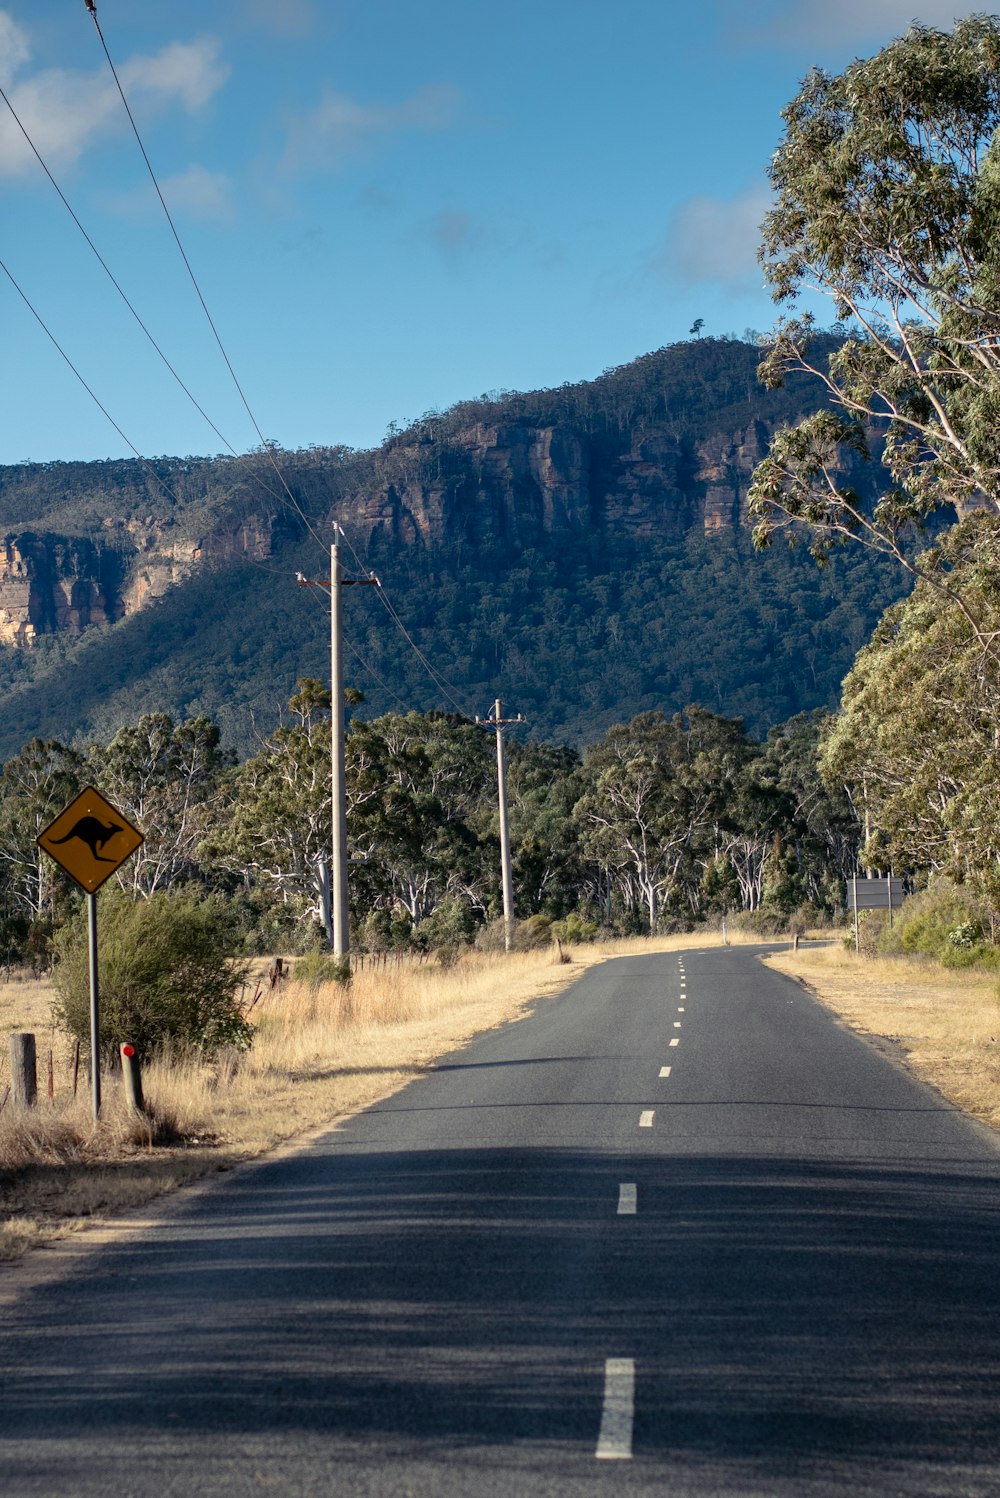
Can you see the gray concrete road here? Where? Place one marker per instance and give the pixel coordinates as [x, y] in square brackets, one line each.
[677, 1233]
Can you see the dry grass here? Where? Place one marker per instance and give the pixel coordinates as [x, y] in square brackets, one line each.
[318, 1055]
[945, 1022]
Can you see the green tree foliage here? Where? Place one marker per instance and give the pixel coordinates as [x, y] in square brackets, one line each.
[35, 786]
[421, 832]
[166, 974]
[887, 187]
[273, 823]
[918, 739]
[164, 777]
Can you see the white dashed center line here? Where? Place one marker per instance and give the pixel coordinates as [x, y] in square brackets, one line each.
[675, 1041]
[680, 1008]
[627, 1198]
[677, 1024]
[646, 1118]
[664, 1071]
[614, 1442]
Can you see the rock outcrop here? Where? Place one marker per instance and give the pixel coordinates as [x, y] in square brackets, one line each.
[50, 583]
[63, 584]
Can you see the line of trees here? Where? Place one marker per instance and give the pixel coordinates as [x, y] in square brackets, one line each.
[666, 820]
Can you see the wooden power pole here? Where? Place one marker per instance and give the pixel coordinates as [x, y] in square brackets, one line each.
[498, 723]
[338, 734]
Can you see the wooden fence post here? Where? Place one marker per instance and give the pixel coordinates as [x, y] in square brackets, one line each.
[132, 1077]
[23, 1071]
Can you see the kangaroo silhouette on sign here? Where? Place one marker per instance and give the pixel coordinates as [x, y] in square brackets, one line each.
[95, 834]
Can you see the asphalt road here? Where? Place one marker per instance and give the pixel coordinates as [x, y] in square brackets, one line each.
[546, 1268]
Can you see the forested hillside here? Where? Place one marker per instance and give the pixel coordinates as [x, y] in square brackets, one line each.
[582, 552]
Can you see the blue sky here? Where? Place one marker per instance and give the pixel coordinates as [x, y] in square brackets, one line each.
[390, 206]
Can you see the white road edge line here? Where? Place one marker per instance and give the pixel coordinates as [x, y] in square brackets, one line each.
[614, 1440]
[627, 1199]
[664, 1071]
[646, 1118]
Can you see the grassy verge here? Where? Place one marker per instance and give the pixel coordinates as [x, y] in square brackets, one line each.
[318, 1055]
[945, 1022]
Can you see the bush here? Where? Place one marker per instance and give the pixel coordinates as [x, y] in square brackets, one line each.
[945, 921]
[532, 933]
[317, 968]
[450, 925]
[573, 928]
[165, 975]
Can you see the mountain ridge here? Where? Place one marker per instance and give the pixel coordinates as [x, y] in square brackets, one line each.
[509, 524]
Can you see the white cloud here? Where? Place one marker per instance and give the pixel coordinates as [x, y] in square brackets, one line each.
[339, 127]
[66, 112]
[14, 49]
[188, 71]
[200, 193]
[818, 23]
[284, 17]
[715, 240]
[195, 192]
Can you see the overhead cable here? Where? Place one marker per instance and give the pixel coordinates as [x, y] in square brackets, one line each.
[194, 282]
[101, 407]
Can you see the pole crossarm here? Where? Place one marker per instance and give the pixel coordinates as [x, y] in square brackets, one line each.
[501, 723]
[345, 582]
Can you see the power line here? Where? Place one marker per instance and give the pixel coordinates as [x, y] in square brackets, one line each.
[435, 675]
[365, 664]
[97, 402]
[110, 274]
[439, 681]
[91, 6]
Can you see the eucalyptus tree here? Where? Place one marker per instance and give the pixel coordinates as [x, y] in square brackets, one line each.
[824, 820]
[657, 795]
[35, 786]
[273, 825]
[425, 829]
[918, 737]
[887, 201]
[164, 776]
[550, 870]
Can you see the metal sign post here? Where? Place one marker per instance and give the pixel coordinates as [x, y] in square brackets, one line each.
[95, 1007]
[90, 840]
[883, 893]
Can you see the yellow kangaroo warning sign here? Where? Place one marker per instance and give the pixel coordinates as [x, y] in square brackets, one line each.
[90, 839]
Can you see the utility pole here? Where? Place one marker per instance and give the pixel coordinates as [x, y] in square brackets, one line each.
[338, 733]
[498, 723]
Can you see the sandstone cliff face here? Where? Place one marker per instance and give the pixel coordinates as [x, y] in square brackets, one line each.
[521, 484]
[51, 583]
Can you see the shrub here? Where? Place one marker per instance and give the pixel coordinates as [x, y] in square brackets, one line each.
[165, 975]
[573, 928]
[927, 921]
[317, 968]
[534, 932]
[451, 924]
